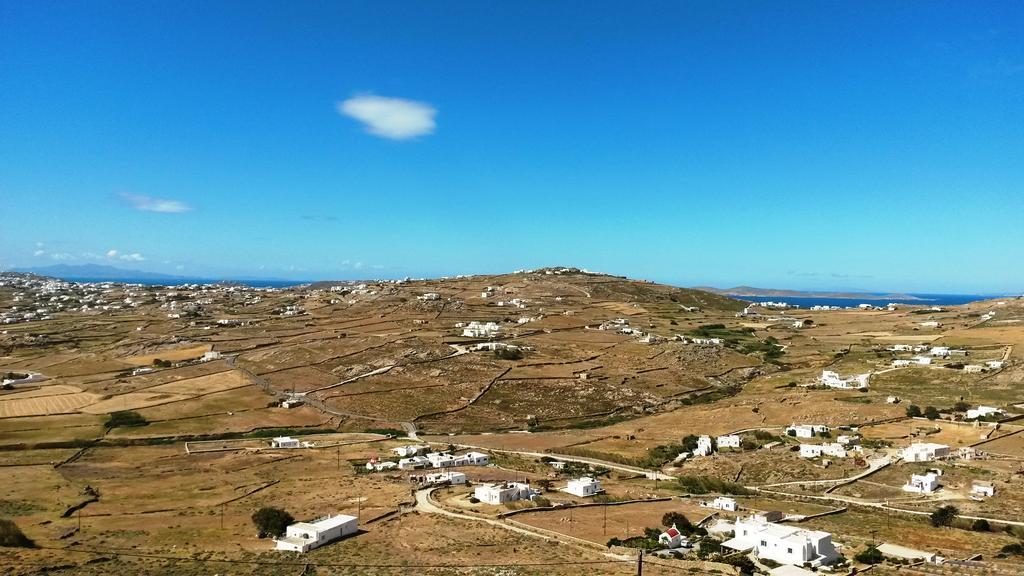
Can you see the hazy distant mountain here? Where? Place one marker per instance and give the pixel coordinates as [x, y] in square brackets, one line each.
[96, 272]
[777, 293]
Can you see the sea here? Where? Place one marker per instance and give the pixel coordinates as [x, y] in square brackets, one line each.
[873, 299]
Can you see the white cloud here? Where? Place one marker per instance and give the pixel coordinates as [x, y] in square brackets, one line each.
[63, 256]
[394, 118]
[129, 257]
[39, 252]
[149, 204]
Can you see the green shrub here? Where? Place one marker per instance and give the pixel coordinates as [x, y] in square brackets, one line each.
[271, 521]
[126, 419]
[12, 537]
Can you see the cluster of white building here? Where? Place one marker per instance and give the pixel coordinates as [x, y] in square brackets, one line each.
[832, 379]
[480, 329]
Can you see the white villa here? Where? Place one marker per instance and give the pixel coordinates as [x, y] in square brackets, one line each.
[722, 503]
[446, 460]
[481, 330]
[834, 449]
[728, 441]
[783, 544]
[924, 452]
[447, 477]
[982, 411]
[304, 536]
[922, 360]
[973, 369]
[806, 430]
[413, 463]
[497, 494]
[994, 364]
[285, 442]
[832, 379]
[584, 487]
[900, 363]
[922, 483]
[940, 351]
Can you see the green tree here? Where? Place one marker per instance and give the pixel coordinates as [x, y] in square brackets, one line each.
[271, 521]
[981, 525]
[961, 406]
[914, 411]
[944, 515]
[931, 412]
[675, 519]
[869, 555]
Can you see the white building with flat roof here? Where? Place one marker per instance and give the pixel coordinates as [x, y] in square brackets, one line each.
[704, 446]
[285, 442]
[832, 379]
[728, 441]
[833, 449]
[503, 493]
[584, 487]
[806, 430]
[924, 452]
[304, 536]
[982, 411]
[722, 503]
[922, 483]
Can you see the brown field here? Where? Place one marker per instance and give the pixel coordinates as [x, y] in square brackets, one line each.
[172, 355]
[45, 405]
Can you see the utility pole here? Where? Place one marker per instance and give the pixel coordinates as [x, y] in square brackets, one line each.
[221, 516]
[79, 519]
[604, 525]
[640, 563]
[359, 507]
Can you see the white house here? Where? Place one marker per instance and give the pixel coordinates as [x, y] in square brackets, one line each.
[673, 538]
[704, 447]
[728, 441]
[900, 363]
[982, 411]
[211, 355]
[980, 488]
[285, 442]
[973, 368]
[722, 503]
[994, 364]
[410, 450]
[429, 296]
[922, 483]
[924, 452]
[707, 341]
[413, 463]
[940, 351]
[930, 324]
[448, 477]
[475, 459]
[922, 360]
[834, 449]
[304, 536]
[806, 430]
[832, 379]
[497, 494]
[783, 544]
[584, 487]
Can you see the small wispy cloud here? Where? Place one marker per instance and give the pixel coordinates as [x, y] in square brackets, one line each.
[126, 257]
[150, 204]
[394, 118]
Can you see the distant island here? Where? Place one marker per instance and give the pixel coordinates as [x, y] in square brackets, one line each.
[750, 291]
[104, 273]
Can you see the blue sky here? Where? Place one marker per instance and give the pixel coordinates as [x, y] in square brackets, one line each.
[854, 145]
